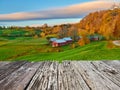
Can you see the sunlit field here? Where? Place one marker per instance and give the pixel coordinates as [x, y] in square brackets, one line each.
[38, 49]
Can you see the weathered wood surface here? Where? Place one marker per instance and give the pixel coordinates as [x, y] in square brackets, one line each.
[69, 75]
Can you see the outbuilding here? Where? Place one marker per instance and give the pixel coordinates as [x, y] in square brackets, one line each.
[68, 40]
[59, 42]
[94, 37]
[52, 39]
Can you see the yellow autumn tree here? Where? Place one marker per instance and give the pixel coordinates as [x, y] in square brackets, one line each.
[81, 42]
[116, 32]
[35, 36]
[106, 23]
[42, 34]
[84, 39]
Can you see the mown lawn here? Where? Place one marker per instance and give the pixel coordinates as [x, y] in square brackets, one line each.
[37, 50]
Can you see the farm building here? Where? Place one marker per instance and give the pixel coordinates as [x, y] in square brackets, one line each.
[95, 37]
[68, 39]
[52, 39]
[59, 42]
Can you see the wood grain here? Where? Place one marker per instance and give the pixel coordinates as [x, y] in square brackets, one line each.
[69, 75]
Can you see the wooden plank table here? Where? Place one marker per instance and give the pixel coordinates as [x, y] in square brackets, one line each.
[69, 75]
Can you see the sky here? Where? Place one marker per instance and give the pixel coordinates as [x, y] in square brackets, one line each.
[52, 12]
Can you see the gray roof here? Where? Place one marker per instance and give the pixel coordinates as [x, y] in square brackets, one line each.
[60, 41]
[53, 39]
[67, 38]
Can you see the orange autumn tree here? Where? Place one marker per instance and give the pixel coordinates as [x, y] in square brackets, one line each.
[84, 39]
[106, 23]
[111, 25]
[116, 32]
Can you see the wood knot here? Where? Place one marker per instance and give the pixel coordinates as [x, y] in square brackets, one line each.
[112, 71]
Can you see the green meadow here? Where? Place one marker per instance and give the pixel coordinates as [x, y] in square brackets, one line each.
[31, 49]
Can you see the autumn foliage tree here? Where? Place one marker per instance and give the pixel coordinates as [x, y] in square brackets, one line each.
[42, 34]
[73, 32]
[106, 23]
[35, 36]
[63, 31]
[84, 39]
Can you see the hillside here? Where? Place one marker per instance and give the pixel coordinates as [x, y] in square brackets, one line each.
[93, 51]
[28, 43]
[105, 22]
[36, 50]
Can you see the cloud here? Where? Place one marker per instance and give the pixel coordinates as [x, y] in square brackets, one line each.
[73, 11]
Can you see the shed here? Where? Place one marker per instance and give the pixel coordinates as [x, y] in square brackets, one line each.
[94, 37]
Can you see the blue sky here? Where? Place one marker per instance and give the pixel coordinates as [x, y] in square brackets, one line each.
[9, 6]
[38, 12]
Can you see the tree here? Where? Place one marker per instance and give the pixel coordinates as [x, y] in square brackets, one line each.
[0, 27]
[73, 32]
[81, 42]
[116, 32]
[56, 29]
[45, 25]
[42, 34]
[84, 39]
[35, 36]
[63, 32]
[104, 22]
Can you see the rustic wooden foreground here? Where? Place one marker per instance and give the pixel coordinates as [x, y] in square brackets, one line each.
[70, 75]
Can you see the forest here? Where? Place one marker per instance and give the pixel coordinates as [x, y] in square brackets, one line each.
[106, 23]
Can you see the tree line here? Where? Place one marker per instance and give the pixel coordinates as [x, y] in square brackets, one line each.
[106, 23]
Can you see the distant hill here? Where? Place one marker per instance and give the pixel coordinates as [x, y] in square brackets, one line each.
[105, 22]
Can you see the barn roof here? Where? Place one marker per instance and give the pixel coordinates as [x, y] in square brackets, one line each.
[60, 41]
[67, 38]
[93, 36]
[53, 39]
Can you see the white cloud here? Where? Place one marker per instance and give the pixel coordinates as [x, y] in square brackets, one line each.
[73, 11]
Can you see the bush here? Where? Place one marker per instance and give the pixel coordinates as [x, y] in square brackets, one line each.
[58, 50]
[73, 45]
[81, 42]
[87, 41]
[35, 36]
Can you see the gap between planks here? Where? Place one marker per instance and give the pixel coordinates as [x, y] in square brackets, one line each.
[69, 75]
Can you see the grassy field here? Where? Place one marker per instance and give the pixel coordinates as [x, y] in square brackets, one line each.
[37, 49]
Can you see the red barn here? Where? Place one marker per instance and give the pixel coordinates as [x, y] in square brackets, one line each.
[94, 38]
[59, 42]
